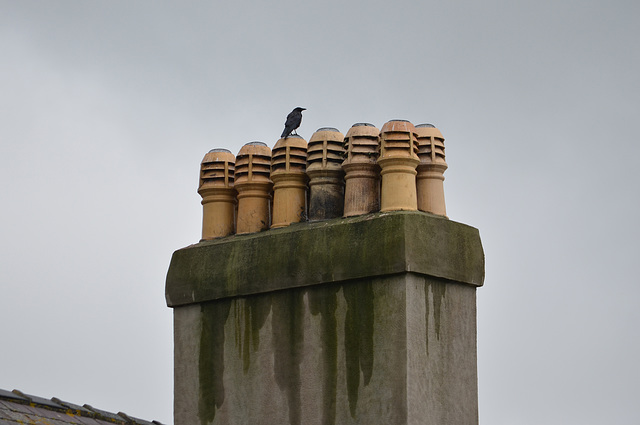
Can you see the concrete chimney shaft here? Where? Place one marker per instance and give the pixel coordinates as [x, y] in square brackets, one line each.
[367, 320]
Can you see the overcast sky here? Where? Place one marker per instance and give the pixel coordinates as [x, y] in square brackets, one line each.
[107, 108]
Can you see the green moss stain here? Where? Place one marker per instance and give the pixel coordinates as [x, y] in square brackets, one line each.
[211, 360]
[288, 339]
[250, 313]
[323, 301]
[358, 338]
[438, 292]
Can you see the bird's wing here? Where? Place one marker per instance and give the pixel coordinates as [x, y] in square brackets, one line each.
[291, 118]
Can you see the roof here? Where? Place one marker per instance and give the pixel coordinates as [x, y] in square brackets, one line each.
[17, 407]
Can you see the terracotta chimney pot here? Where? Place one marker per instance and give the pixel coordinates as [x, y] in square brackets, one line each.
[288, 173]
[326, 177]
[398, 161]
[253, 183]
[431, 170]
[218, 193]
[362, 173]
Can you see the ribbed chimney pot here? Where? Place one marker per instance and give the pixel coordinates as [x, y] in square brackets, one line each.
[288, 173]
[254, 185]
[325, 154]
[430, 177]
[218, 193]
[398, 161]
[362, 173]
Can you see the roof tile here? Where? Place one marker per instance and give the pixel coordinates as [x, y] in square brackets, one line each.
[17, 407]
[38, 400]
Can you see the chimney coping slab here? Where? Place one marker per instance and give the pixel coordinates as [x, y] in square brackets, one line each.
[305, 254]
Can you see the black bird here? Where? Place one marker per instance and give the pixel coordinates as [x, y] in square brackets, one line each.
[293, 121]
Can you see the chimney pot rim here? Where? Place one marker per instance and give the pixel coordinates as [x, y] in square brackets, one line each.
[328, 129]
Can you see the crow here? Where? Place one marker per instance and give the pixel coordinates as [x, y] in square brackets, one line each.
[293, 121]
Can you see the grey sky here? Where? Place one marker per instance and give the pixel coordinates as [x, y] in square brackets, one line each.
[107, 108]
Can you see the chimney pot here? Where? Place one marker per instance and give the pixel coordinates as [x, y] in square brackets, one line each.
[325, 154]
[362, 174]
[398, 161]
[430, 171]
[288, 173]
[253, 183]
[218, 193]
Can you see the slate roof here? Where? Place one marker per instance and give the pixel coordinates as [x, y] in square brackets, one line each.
[19, 408]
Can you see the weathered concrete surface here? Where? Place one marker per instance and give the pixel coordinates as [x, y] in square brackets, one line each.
[367, 320]
[390, 350]
[329, 251]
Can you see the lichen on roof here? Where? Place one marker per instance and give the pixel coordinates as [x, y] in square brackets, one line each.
[17, 407]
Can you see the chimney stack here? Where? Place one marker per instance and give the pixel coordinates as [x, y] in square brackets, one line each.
[365, 318]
